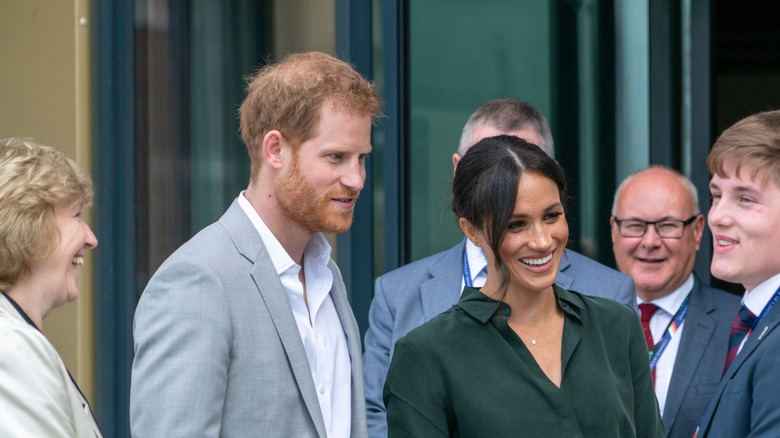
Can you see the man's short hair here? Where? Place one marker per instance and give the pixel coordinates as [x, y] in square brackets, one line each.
[508, 114]
[753, 141]
[692, 192]
[34, 180]
[288, 96]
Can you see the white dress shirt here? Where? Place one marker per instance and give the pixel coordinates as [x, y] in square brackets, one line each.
[669, 305]
[318, 323]
[755, 300]
[477, 266]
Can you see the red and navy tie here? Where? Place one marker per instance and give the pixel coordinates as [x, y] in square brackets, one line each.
[739, 329]
[647, 311]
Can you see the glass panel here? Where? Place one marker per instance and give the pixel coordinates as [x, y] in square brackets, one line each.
[559, 56]
[191, 60]
[632, 85]
[464, 54]
[378, 142]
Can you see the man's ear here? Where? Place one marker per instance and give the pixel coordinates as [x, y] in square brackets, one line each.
[698, 229]
[455, 158]
[613, 228]
[273, 143]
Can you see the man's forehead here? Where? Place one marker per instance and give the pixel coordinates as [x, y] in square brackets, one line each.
[655, 191]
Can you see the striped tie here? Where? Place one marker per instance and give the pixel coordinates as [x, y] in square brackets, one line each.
[647, 311]
[739, 329]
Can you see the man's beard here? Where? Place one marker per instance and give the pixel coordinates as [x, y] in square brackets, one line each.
[301, 203]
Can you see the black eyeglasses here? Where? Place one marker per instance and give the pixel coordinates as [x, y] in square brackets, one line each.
[667, 229]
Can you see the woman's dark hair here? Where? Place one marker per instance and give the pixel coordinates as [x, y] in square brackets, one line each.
[485, 187]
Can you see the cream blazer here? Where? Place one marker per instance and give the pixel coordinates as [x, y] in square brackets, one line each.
[37, 396]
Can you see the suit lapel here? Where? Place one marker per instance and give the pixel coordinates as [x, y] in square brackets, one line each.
[442, 288]
[766, 326]
[696, 335]
[250, 245]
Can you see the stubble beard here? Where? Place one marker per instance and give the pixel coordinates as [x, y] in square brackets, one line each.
[300, 202]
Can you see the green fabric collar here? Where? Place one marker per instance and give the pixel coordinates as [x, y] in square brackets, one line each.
[481, 307]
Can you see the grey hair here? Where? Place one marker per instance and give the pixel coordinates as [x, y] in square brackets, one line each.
[508, 114]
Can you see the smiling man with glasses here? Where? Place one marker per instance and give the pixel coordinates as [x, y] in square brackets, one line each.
[656, 232]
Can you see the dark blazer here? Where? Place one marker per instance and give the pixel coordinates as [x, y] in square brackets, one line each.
[413, 294]
[700, 358]
[747, 400]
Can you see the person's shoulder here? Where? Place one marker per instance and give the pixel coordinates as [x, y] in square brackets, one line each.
[211, 236]
[205, 250]
[721, 297]
[439, 330]
[423, 265]
[715, 302]
[583, 264]
[597, 308]
[20, 340]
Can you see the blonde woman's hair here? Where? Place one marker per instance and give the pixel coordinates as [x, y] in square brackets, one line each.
[34, 180]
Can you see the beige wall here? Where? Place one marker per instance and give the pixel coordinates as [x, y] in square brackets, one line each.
[45, 94]
[303, 25]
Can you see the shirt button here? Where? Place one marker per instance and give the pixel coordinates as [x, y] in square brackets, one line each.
[322, 389]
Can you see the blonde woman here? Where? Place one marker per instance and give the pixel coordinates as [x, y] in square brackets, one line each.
[42, 242]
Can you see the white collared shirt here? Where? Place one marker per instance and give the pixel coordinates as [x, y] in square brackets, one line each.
[318, 324]
[477, 266]
[756, 299]
[669, 305]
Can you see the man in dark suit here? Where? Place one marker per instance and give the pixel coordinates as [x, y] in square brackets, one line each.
[411, 295]
[656, 231]
[745, 222]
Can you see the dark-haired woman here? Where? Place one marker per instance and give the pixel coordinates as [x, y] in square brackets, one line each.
[521, 356]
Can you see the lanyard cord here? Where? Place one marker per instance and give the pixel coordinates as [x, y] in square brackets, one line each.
[674, 325]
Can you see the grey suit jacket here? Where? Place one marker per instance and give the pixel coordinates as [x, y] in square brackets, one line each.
[747, 400]
[413, 294]
[217, 349]
[700, 358]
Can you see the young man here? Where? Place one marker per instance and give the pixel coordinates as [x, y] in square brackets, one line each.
[413, 294]
[246, 329]
[744, 220]
[656, 232]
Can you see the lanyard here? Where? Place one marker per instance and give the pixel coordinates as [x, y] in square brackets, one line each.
[768, 306]
[671, 329]
[466, 271]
